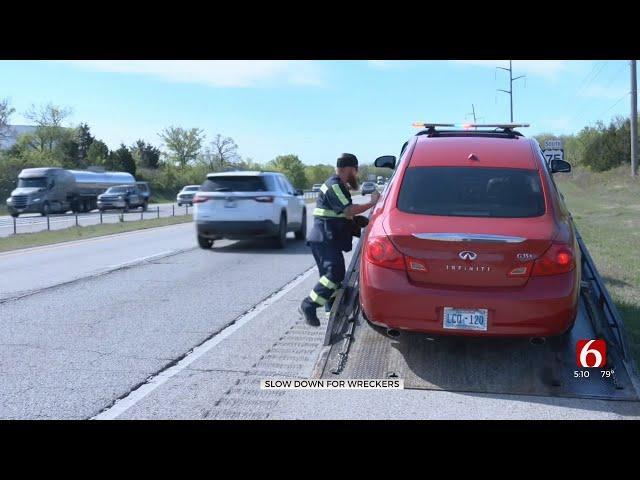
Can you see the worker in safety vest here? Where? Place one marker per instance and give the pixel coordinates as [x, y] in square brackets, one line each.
[332, 232]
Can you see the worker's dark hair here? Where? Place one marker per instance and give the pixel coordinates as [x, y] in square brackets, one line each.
[347, 160]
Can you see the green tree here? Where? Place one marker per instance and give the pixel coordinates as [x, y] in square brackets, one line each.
[183, 145]
[49, 120]
[318, 173]
[84, 140]
[97, 153]
[5, 114]
[121, 160]
[145, 154]
[292, 167]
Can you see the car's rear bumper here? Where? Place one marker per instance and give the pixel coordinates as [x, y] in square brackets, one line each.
[545, 306]
[237, 229]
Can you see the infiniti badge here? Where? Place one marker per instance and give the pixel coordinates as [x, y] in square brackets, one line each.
[467, 255]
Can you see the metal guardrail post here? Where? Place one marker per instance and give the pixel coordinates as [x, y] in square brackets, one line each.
[141, 214]
[187, 207]
[48, 225]
[14, 226]
[76, 219]
[100, 217]
[173, 209]
[158, 210]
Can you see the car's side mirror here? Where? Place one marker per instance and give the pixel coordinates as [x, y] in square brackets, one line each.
[299, 193]
[386, 161]
[560, 166]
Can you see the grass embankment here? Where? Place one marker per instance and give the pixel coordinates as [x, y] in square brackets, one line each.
[606, 210]
[26, 240]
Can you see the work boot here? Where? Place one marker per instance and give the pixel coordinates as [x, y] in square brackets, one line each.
[308, 310]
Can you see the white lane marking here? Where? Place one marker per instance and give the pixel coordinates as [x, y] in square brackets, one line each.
[153, 382]
[101, 238]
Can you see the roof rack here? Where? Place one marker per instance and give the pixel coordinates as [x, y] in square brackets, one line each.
[505, 130]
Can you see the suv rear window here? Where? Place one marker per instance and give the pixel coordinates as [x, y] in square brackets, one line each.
[234, 184]
[472, 192]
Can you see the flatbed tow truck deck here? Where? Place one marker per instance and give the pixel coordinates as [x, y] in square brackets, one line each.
[356, 349]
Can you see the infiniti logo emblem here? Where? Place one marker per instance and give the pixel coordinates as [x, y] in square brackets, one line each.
[467, 255]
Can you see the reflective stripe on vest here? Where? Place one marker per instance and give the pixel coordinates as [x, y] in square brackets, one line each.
[322, 212]
[340, 194]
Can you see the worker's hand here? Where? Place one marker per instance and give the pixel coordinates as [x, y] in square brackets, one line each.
[375, 196]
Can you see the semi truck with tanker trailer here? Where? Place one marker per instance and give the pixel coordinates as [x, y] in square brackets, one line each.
[56, 190]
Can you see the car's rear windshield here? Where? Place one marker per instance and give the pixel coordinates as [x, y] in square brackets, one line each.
[191, 189]
[472, 192]
[234, 184]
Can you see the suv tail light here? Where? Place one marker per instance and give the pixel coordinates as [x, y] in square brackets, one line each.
[201, 199]
[264, 199]
[381, 252]
[558, 259]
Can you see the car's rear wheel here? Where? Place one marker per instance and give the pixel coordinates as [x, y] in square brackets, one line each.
[15, 215]
[46, 209]
[145, 206]
[301, 234]
[205, 243]
[281, 238]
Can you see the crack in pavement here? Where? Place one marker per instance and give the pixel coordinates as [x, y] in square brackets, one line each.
[30, 293]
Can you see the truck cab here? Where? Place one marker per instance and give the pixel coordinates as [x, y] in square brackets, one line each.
[41, 190]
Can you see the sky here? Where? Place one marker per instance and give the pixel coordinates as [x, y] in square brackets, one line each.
[315, 109]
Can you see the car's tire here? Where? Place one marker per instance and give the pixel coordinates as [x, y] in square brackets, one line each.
[46, 209]
[205, 243]
[126, 207]
[15, 215]
[145, 206]
[281, 238]
[301, 234]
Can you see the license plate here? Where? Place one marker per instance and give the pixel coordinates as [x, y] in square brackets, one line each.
[230, 204]
[465, 319]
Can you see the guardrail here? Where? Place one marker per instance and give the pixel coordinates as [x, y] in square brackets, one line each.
[310, 194]
[19, 225]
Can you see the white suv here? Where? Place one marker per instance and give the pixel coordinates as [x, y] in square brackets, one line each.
[240, 205]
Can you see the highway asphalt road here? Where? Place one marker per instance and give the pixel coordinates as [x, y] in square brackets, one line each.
[146, 325]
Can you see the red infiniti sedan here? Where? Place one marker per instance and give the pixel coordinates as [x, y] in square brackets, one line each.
[471, 237]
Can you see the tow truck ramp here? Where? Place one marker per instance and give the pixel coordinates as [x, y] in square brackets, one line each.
[354, 348]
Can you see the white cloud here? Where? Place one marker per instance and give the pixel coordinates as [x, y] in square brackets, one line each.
[216, 73]
[543, 68]
[381, 64]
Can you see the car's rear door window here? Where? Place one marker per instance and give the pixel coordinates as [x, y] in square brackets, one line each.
[472, 192]
[234, 184]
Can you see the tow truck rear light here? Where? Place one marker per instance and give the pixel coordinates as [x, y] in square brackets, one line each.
[264, 199]
[558, 259]
[381, 252]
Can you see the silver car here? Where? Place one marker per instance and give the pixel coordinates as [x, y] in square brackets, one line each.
[185, 197]
[368, 187]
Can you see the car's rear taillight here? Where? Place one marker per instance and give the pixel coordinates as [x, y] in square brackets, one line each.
[201, 199]
[264, 199]
[381, 252]
[558, 259]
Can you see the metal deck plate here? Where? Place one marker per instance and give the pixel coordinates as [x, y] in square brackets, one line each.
[479, 365]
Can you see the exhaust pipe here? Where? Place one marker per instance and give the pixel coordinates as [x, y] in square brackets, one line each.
[537, 340]
[393, 333]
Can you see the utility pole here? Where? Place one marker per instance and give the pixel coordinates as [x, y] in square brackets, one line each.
[473, 109]
[634, 120]
[511, 80]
